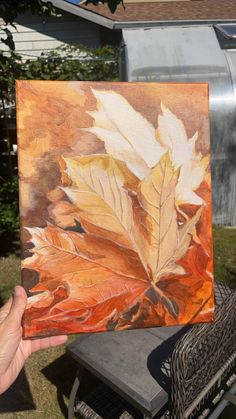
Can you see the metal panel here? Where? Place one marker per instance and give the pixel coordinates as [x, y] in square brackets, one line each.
[191, 54]
[231, 146]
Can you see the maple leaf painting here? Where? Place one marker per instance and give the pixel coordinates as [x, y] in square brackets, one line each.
[115, 206]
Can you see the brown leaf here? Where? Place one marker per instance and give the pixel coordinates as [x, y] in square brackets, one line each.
[99, 276]
[61, 211]
[58, 253]
[83, 309]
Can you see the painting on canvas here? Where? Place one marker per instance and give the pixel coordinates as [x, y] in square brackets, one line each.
[115, 204]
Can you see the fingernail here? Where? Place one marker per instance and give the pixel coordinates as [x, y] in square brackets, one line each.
[17, 291]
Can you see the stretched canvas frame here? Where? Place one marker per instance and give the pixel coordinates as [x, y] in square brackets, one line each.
[115, 203]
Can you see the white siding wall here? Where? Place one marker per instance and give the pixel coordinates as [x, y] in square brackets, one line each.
[34, 35]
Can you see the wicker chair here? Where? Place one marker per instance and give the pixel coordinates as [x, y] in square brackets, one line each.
[181, 373]
[203, 362]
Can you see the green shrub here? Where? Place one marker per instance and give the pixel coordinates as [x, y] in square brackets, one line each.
[9, 211]
[75, 62]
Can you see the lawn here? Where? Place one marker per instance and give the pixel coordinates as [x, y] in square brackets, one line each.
[225, 254]
[43, 387]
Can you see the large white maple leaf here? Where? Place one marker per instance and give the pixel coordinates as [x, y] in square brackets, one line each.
[128, 136]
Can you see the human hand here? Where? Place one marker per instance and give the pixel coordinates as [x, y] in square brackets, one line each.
[13, 349]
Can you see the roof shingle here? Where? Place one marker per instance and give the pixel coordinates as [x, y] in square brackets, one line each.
[164, 11]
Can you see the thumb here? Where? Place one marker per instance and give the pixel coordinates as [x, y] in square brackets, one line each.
[18, 307]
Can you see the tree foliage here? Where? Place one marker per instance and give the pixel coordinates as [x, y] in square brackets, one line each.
[112, 4]
[8, 204]
[10, 9]
[74, 63]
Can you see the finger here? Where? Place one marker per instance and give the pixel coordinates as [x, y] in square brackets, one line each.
[10, 328]
[46, 343]
[17, 309]
[4, 310]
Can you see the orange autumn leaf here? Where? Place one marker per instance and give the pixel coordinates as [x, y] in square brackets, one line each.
[93, 271]
[97, 307]
[58, 253]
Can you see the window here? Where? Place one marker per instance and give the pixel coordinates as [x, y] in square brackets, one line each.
[226, 34]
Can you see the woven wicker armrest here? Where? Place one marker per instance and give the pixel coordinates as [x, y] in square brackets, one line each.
[202, 359]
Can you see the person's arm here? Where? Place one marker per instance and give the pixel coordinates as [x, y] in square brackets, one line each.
[13, 349]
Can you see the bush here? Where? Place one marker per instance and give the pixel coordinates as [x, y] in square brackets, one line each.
[9, 212]
[74, 63]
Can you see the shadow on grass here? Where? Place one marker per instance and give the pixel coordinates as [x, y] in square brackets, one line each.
[61, 373]
[10, 243]
[18, 398]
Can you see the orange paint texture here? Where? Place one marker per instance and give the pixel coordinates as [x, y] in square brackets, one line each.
[115, 203]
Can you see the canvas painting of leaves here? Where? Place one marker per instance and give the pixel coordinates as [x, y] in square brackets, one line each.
[115, 204]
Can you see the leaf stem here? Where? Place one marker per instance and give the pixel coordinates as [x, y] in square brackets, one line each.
[158, 290]
[182, 213]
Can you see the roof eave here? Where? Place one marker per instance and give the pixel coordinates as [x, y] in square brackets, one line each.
[114, 24]
[85, 14]
[158, 23]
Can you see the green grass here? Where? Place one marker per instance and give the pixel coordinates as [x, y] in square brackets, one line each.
[42, 389]
[229, 412]
[224, 240]
[9, 275]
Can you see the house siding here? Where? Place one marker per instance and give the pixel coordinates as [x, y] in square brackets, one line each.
[34, 35]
